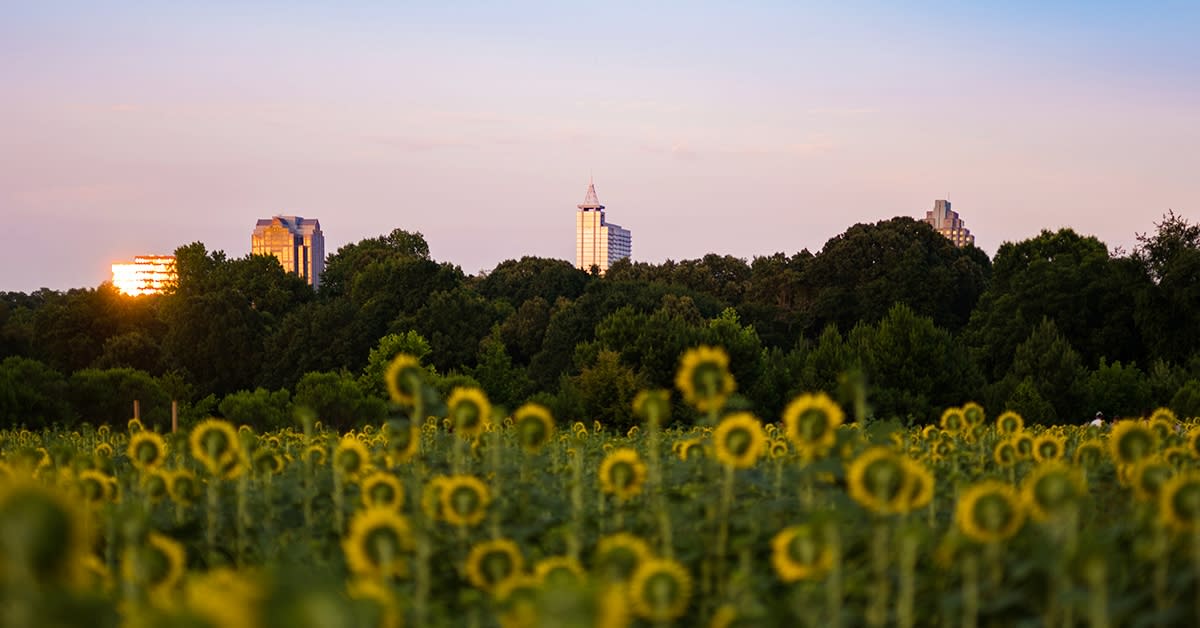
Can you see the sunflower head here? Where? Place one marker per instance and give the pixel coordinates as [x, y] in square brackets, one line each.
[314, 455]
[1131, 441]
[1089, 453]
[800, 553]
[403, 377]
[352, 458]
[469, 411]
[1024, 443]
[704, 378]
[492, 563]
[1005, 454]
[147, 450]
[559, 571]
[811, 422]
[622, 473]
[103, 450]
[1009, 423]
[619, 555]
[1163, 421]
[156, 565]
[134, 425]
[43, 535]
[1148, 476]
[1179, 502]
[690, 449]
[739, 440]
[973, 414]
[95, 487]
[464, 500]
[266, 461]
[660, 590]
[989, 511]
[921, 484]
[533, 425]
[377, 544]
[952, 420]
[183, 487]
[382, 490]
[215, 444]
[154, 484]
[879, 481]
[1051, 488]
[1048, 447]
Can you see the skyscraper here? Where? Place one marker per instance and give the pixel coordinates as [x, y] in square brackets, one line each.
[296, 242]
[948, 223]
[147, 274]
[597, 242]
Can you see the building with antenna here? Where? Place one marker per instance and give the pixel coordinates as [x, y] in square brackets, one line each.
[948, 224]
[598, 243]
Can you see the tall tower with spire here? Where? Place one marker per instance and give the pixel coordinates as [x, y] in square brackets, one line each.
[598, 243]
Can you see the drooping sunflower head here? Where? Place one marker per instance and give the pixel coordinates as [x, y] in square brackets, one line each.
[1089, 454]
[952, 420]
[492, 563]
[469, 411]
[973, 414]
[557, 571]
[103, 451]
[352, 458]
[43, 534]
[619, 555]
[403, 378]
[1052, 488]
[739, 440]
[1179, 502]
[1009, 423]
[653, 405]
[183, 487]
[382, 490]
[533, 425]
[800, 553]
[214, 443]
[704, 378]
[1048, 446]
[315, 455]
[134, 425]
[378, 543]
[691, 449]
[156, 565]
[811, 422]
[464, 500]
[1148, 476]
[266, 461]
[622, 473]
[989, 511]
[879, 481]
[1005, 453]
[1131, 441]
[660, 590]
[403, 441]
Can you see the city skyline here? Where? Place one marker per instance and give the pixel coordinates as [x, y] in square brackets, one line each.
[772, 127]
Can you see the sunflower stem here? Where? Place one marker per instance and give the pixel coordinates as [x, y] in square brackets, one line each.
[833, 583]
[723, 527]
[877, 611]
[1095, 574]
[908, 580]
[339, 499]
[243, 489]
[970, 590]
[576, 505]
[423, 552]
[210, 531]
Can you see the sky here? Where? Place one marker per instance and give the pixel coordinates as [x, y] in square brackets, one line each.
[743, 128]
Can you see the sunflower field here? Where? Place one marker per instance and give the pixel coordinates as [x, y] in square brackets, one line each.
[483, 518]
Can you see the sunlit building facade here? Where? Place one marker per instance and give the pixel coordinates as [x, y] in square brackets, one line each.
[597, 242]
[947, 223]
[296, 242]
[147, 274]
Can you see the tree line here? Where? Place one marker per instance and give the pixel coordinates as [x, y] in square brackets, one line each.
[889, 317]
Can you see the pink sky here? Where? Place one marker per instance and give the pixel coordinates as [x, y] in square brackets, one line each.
[767, 129]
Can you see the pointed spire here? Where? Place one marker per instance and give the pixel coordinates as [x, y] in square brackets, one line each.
[591, 201]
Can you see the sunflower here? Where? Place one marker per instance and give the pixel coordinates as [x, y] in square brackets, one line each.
[799, 553]
[464, 500]
[43, 534]
[1193, 442]
[382, 490]
[267, 461]
[469, 411]
[1024, 442]
[879, 481]
[377, 542]
[952, 420]
[517, 601]
[811, 422]
[622, 473]
[214, 443]
[95, 487]
[134, 425]
[1148, 476]
[240, 594]
[660, 589]
[315, 455]
[1177, 456]
[777, 449]
[147, 450]
[1089, 453]
[1009, 423]
[1179, 502]
[387, 609]
[492, 563]
[183, 487]
[1052, 487]
[1131, 441]
[103, 451]
[973, 414]
[690, 449]
[154, 484]
[989, 511]
[559, 570]
[1005, 454]
[352, 458]
[739, 440]
[653, 405]
[157, 565]
[619, 555]
[921, 484]
[704, 378]
[1048, 446]
[1164, 421]
[942, 449]
[403, 378]
[534, 426]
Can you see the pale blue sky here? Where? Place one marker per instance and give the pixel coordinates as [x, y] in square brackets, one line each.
[741, 128]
